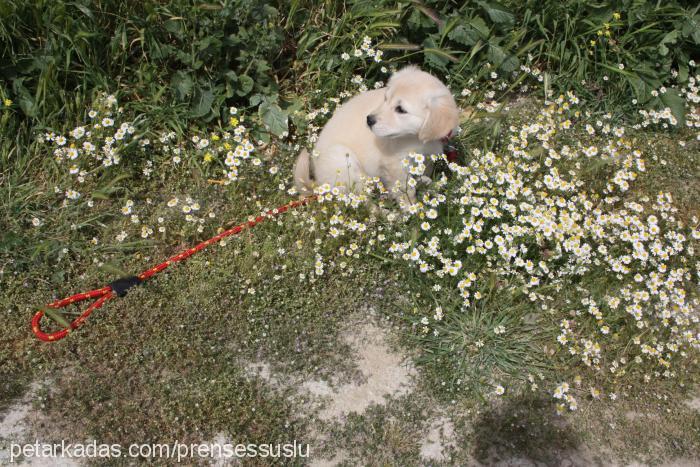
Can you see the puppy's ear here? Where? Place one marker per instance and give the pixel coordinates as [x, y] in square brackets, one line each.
[443, 116]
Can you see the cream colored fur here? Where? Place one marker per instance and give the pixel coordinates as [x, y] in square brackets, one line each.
[411, 114]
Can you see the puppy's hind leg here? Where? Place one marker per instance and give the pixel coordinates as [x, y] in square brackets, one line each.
[302, 173]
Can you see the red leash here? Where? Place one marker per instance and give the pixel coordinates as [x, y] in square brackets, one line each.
[119, 287]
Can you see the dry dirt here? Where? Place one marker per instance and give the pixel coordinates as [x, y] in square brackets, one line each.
[16, 427]
[383, 373]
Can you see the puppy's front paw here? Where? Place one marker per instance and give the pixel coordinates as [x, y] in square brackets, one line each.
[425, 180]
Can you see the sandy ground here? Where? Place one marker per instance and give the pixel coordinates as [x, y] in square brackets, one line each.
[16, 427]
[383, 373]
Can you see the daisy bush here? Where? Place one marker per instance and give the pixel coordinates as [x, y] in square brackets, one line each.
[93, 159]
[536, 263]
[86, 149]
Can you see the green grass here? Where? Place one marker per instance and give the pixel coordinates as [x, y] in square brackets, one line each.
[142, 367]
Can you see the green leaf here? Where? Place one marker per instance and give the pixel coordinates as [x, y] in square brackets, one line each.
[669, 38]
[497, 13]
[208, 42]
[231, 77]
[203, 100]
[416, 20]
[466, 34]
[676, 103]
[274, 118]
[245, 85]
[511, 63]
[28, 105]
[433, 57]
[641, 88]
[25, 99]
[255, 99]
[436, 56]
[480, 26]
[174, 26]
[181, 84]
[691, 28]
[696, 36]
[495, 55]
[262, 136]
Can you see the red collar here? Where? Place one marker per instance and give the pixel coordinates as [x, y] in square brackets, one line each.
[451, 152]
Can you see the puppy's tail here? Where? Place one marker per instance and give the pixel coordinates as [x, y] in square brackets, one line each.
[302, 173]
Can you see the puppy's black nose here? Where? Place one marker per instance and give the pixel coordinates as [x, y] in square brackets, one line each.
[371, 120]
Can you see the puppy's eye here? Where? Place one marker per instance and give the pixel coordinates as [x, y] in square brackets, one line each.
[400, 109]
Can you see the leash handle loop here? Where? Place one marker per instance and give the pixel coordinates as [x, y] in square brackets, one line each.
[101, 296]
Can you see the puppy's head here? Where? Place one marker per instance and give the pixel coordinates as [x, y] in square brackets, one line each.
[415, 103]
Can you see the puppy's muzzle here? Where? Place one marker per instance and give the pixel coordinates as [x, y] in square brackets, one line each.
[371, 120]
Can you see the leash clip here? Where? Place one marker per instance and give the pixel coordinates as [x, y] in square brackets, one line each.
[122, 285]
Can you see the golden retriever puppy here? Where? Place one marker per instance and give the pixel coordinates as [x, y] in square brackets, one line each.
[371, 134]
